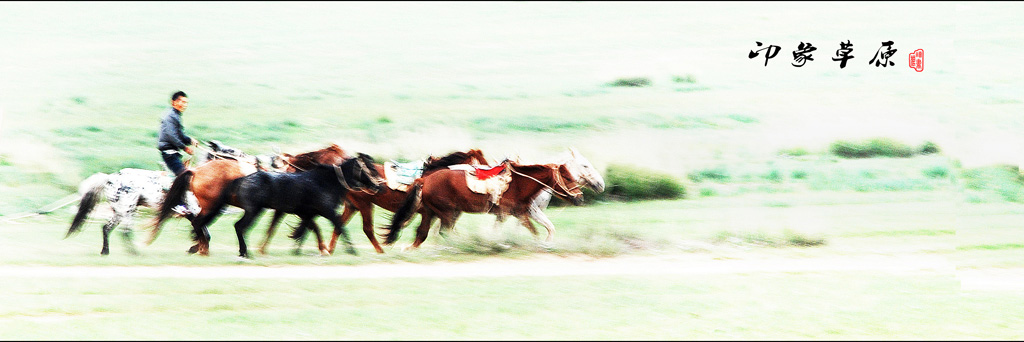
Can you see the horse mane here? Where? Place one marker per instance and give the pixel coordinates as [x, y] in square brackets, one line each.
[453, 158]
[532, 167]
[309, 159]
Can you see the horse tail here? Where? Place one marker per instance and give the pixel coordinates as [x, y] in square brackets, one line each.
[404, 213]
[219, 203]
[175, 196]
[90, 190]
[298, 232]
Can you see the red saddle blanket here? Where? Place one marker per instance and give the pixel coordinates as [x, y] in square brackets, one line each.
[482, 173]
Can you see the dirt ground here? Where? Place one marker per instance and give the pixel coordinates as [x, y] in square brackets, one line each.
[680, 264]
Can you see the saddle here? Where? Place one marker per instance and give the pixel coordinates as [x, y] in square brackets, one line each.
[399, 176]
[487, 180]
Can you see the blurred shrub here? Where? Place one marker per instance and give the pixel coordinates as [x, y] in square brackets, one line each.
[774, 176]
[937, 171]
[798, 174]
[631, 82]
[633, 183]
[688, 78]
[875, 147]
[928, 148]
[787, 238]
[794, 152]
[720, 174]
[1004, 180]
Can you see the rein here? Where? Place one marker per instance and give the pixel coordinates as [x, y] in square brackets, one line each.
[293, 165]
[574, 191]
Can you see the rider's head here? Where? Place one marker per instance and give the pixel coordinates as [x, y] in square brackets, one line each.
[179, 101]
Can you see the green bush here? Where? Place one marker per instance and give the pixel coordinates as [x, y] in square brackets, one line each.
[1003, 180]
[774, 176]
[689, 78]
[720, 174]
[875, 147]
[631, 82]
[794, 152]
[938, 171]
[799, 174]
[929, 147]
[633, 183]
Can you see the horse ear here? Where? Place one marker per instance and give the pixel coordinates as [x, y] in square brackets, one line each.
[573, 152]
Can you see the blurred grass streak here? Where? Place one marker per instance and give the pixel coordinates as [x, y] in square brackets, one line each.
[787, 238]
[604, 307]
[1003, 180]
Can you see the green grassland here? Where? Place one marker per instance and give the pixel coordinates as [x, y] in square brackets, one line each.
[758, 150]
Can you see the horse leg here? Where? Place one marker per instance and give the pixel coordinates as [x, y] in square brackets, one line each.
[499, 219]
[319, 238]
[426, 220]
[304, 225]
[448, 223]
[345, 216]
[367, 216]
[270, 231]
[537, 214]
[106, 233]
[242, 226]
[340, 228]
[525, 221]
[127, 233]
[202, 239]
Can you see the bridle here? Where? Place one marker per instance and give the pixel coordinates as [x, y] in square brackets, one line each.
[567, 191]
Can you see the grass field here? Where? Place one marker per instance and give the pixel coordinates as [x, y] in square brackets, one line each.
[842, 304]
[82, 86]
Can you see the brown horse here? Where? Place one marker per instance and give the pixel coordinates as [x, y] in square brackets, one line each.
[445, 194]
[207, 181]
[386, 198]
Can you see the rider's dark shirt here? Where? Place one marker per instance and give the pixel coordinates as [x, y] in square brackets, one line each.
[171, 135]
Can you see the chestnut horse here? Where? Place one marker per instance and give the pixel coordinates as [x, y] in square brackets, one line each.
[386, 198]
[581, 170]
[445, 194]
[208, 180]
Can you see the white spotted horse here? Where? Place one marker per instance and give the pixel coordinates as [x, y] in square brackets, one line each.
[129, 188]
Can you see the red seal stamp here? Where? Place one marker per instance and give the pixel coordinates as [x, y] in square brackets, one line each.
[917, 60]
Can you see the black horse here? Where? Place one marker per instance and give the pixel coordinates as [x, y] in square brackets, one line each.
[316, 192]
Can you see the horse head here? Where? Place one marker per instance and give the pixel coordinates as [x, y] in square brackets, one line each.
[566, 185]
[362, 173]
[478, 156]
[581, 169]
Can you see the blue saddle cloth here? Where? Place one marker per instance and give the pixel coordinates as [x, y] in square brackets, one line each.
[404, 173]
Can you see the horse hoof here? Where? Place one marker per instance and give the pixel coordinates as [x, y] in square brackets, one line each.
[351, 251]
[193, 249]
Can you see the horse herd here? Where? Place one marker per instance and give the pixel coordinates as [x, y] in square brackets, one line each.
[316, 183]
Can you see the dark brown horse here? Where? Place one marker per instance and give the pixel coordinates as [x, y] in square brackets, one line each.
[207, 181]
[445, 194]
[386, 198]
